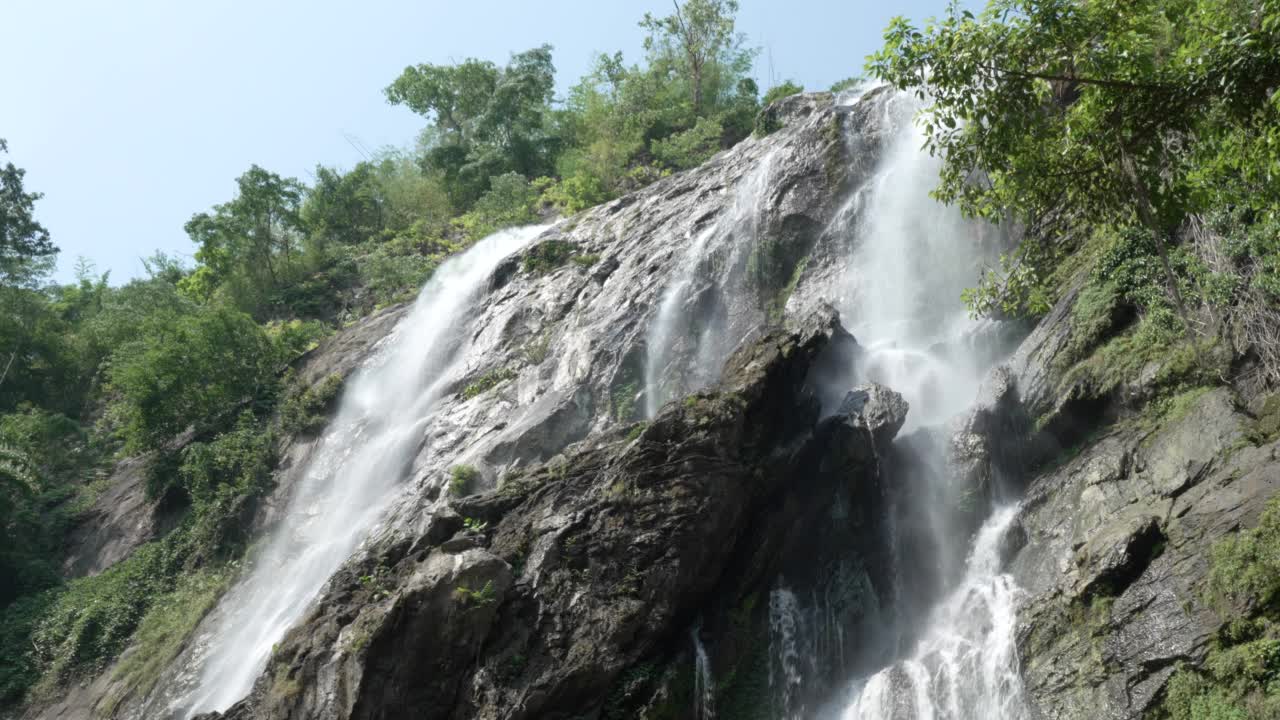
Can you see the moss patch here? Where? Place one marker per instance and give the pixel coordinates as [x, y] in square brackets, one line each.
[306, 410]
[1240, 677]
[487, 382]
[547, 256]
[1266, 427]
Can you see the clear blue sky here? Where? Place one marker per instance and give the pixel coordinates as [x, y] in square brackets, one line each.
[132, 115]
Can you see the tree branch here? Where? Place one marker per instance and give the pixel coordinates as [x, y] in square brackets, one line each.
[1100, 82]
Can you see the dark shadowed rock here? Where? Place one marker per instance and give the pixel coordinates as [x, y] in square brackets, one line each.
[589, 564]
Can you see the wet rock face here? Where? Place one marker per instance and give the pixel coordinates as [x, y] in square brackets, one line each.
[580, 570]
[1118, 544]
[1122, 508]
[563, 345]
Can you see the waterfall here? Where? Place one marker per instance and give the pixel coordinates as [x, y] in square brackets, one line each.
[786, 640]
[704, 689]
[965, 666]
[912, 258]
[910, 261]
[688, 341]
[355, 473]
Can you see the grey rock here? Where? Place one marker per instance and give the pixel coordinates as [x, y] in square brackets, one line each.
[1118, 544]
[878, 409]
[596, 558]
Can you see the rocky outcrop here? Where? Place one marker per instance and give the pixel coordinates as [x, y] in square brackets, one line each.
[1118, 540]
[1126, 494]
[555, 359]
[571, 587]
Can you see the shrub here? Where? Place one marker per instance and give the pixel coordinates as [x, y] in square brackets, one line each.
[305, 411]
[221, 478]
[393, 269]
[92, 619]
[547, 256]
[296, 337]
[164, 629]
[462, 479]
[1240, 678]
[19, 667]
[690, 148]
[484, 596]
[193, 370]
[777, 92]
[585, 261]
[577, 192]
[848, 83]
[511, 200]
[1092, 317]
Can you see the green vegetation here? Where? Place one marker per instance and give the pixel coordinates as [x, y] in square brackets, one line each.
[486, 595]
[585, 261]
[196, 369]
[487, 382]
[378, 582]
[1240, 677]
[623, 398]
[1267, 426]
[848, 83]
[539, 348]
[1076, 116]
[777, 92]
[305, 410]
[691, 147]
[462, 479]
[636, 431]
[547, 256]
[163, 631]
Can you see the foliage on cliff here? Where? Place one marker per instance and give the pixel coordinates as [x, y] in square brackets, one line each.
[1082, 122]
[1135, 148]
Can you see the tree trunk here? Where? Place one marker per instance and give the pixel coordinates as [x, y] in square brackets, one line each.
[697, 90]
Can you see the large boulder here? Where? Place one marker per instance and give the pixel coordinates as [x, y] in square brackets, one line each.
[574, 573]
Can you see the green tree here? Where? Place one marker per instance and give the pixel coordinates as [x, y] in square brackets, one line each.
[33, 338]
[193, 369]
[701, 34]
[249, 246]
[1142, 112]
[345, 208]
[26, 252]
[486, 120]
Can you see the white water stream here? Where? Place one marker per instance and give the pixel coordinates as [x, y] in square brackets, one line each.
[965, 666]
[356, 471]
[912, 259]
[679, 322]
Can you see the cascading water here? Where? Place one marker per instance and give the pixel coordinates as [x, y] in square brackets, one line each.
[688, 343]
[912, 257]
[350, 483]
[965, 666]
[704, 687]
